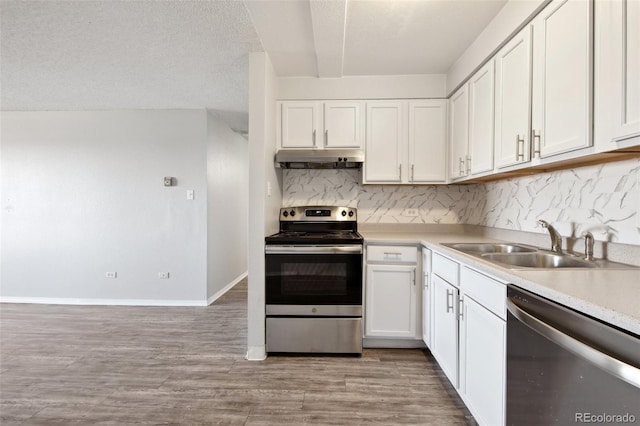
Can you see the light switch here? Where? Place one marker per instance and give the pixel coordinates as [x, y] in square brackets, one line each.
[190, 194]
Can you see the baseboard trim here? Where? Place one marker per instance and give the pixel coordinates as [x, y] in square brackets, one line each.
[102, 302]
[226, 288]
[378, 342]
[256, 353]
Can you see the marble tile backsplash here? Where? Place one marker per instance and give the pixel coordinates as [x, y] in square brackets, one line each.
[603, 199]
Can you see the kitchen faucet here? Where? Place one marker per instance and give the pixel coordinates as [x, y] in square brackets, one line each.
[556, 239]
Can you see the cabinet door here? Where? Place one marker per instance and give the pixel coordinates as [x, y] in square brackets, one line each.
[481, 97]
[617, 85]
[427, 141]
[426, 297]
[459, 132]
[562, 77]
[390, 309]
[385, 142]
[444, 339]
[513, 100]
[300, 124]
[482, 362]
[342, 125]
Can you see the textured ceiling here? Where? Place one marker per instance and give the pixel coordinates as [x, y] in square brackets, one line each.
[335, 38]
[127, 54]
[118, 54]
[412, 37]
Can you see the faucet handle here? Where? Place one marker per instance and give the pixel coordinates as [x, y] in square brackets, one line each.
[543, 223]
[588, 245]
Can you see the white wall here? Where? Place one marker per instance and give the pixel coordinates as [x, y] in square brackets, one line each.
[264, 209]
[506, 23]
[227, 206]
[83, 194]
[363, 87]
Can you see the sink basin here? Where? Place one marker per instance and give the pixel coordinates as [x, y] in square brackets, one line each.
[521, 256]
[538, 260]
[478, 248]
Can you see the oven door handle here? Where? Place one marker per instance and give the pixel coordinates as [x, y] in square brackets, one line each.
[614, 366]
[313, 249]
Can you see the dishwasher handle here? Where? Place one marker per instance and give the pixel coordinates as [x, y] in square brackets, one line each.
[614, 366]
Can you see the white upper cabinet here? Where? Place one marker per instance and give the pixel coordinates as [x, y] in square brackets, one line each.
[319, 125]
[406, 142]
[481, 105]
[513, 100]
[562, 77]
[342, 125]
[427, 141]
[459, 133]
[385, 142]
[299, 122]
[617, 74]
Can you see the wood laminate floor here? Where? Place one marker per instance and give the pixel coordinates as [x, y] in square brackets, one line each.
[172, 365]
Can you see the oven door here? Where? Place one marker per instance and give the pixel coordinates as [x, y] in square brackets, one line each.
[313, 275]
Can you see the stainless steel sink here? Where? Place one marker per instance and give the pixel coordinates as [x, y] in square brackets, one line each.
[521, 256]
[490, 248]
[539, 260]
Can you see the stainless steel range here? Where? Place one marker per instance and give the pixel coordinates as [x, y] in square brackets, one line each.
[314, 282]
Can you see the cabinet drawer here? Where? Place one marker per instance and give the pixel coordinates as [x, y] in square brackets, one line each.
[486, 291]
[445, 268]
[392, 254]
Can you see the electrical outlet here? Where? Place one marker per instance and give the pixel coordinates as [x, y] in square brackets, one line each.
[163, 275]
[111, 275]
[410, 212]
[191, 194]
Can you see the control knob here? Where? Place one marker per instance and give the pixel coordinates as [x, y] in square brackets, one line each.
[292, 213]
[344, 212]
[285, 214]
[351, 213]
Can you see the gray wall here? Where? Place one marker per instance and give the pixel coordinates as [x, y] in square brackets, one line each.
[227, 204]
[83, 194]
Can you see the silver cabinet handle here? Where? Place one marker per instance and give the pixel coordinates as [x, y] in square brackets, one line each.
[449, 294]
[460, 308]
[414, 277]
[468, 165]
[614, 366]
[400, 171]
[412, 172]
[536, 147]
[461, 165]
[519, 155]
[314, 137]
[392, 253]
[326, 137]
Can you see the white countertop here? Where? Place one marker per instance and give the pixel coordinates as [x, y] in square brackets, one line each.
[611, 295]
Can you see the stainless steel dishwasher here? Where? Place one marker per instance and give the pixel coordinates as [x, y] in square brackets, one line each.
[565, 368]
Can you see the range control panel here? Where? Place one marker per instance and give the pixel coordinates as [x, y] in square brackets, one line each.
[318, 214]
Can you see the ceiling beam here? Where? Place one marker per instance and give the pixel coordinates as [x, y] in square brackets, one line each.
[329, 18]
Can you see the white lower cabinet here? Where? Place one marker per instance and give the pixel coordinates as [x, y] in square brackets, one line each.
[468, 336]
[392, 292]
[482, 362]
[445, 327]
[391, 301]
[427, 288]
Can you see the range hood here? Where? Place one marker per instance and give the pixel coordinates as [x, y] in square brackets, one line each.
[320, 158]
